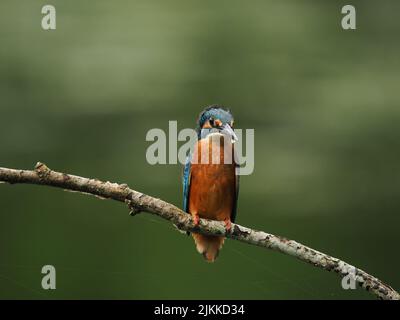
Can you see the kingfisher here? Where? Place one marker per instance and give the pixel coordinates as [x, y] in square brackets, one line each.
[210, 177]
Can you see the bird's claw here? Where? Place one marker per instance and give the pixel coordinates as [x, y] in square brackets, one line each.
[228, 224]
[196, 219]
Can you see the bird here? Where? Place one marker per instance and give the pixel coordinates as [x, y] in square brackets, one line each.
[210, 177]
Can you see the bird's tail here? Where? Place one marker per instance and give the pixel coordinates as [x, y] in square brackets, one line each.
[208, 246]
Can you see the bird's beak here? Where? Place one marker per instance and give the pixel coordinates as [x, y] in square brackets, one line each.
[227, 130]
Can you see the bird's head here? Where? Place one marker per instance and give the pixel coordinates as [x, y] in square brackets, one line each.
[216, 119]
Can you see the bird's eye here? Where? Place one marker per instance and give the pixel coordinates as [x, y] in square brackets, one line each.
[212, 121]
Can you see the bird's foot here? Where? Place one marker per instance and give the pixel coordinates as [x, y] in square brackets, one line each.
[228, 224]
[196, 219]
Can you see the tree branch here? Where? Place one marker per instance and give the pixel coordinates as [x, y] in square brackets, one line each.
[138, 201]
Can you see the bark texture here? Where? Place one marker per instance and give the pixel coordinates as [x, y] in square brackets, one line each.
[138, 202]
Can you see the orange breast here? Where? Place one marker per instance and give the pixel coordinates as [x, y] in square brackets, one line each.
[212, 185]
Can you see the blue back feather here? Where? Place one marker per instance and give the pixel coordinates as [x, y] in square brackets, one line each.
[186, 183]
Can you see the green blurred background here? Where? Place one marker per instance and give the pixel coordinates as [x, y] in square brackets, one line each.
[324, 104]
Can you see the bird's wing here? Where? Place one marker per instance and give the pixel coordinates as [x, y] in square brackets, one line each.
[186, 183]
[236, 196]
